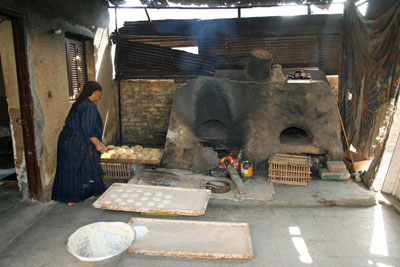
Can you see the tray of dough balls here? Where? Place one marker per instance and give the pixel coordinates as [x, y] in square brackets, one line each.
[154, 199]
[135, 154]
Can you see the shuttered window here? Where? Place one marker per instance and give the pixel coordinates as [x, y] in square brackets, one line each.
[76, 64]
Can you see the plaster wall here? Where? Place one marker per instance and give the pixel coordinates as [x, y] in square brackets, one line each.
[48, 69]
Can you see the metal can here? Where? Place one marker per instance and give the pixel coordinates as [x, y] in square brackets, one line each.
[246, 168]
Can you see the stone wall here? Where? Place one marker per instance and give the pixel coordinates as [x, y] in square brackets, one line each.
[145, 109]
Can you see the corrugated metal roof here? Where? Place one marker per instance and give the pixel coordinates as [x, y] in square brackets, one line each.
[138, 60]
[303, 41]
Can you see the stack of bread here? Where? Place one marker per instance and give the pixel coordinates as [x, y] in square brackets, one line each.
[135, 152]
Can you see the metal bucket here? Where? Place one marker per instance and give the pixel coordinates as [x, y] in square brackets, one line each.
[101, 243]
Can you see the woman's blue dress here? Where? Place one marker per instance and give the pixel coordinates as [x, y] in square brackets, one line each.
[78, 174]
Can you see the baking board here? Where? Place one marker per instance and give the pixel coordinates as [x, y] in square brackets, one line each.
[194, 239]
[160, 199]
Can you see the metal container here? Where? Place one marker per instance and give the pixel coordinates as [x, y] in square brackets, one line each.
[101, 244]
[246, 168]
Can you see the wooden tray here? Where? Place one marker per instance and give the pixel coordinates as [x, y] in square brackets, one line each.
[141, 161]
[138, 161]
[160, 199]
[194, 239]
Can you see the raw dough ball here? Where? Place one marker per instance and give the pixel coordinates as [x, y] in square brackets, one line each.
[147, 193]
[108, 202]
[134, 195]
[157, 199]
[158, 194]
[130, 200]
[138, 203]
[141, 231]
[160, 205]
[113, 195]
[118, 200]
[168, 196]
[144, 198]
[151, 204]
[166, 201]
[120, 190]
[139, 190]
[122, 203]
[124, 195]
[129, 190]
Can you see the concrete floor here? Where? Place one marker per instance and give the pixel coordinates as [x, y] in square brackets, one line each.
[284, 232]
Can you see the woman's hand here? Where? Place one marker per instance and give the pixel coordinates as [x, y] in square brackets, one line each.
[100, 147]
[98, 144]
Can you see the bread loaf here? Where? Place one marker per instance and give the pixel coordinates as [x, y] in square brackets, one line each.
[138, 148]
[121, 151]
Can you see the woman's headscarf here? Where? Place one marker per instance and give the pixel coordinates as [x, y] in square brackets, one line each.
[88, 89]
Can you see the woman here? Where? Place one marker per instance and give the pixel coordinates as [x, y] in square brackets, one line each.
[78, 174]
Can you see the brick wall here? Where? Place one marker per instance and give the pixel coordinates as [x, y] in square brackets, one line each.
[145, 109]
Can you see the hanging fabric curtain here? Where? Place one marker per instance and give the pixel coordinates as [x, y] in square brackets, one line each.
[369, 78]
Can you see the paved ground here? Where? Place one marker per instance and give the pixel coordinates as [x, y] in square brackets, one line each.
[281, 235]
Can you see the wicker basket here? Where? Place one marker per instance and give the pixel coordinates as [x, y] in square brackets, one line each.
[289, 169]
[116, 170]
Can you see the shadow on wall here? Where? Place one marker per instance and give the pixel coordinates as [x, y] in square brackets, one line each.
[108, 105]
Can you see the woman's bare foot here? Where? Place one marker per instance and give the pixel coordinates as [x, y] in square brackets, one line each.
[71, 204]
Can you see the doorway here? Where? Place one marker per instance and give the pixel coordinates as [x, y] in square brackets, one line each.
[19, 115]
[8, 178]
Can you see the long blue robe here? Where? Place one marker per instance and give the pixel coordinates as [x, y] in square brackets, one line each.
[78, 174]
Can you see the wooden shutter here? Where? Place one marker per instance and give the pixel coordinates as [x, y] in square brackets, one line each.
[76, 64]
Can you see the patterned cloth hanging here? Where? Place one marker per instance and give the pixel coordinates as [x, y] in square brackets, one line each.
[369, 78]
